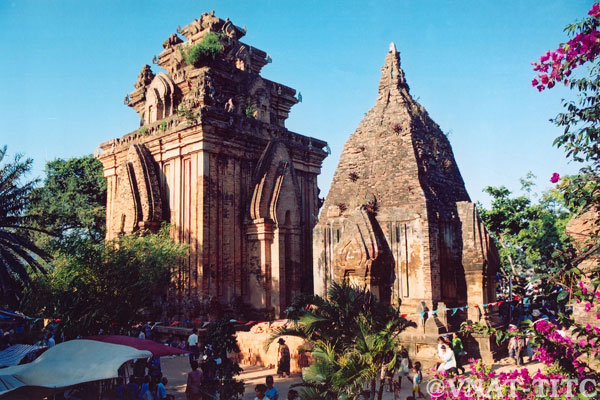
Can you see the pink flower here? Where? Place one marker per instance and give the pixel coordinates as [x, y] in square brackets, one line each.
[588, 307]
[555, 177]
[534, 82]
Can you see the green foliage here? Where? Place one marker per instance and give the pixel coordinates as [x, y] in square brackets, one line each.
[143, 130]
[187, 113]
[354, 336]
[221, 337]
[107, 284]
[581, 133]
[501, 335]
[71, 204]
[250, 110]
[19, 256]
[163, 126]
[531, 235]
[208, 48]
[580, 120]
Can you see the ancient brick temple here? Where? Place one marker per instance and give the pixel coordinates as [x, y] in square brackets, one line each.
[212, 156]
[398, 217]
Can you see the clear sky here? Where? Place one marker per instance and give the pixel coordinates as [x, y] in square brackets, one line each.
[65, 67]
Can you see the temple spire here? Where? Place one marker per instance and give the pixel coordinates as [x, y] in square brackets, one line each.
[392, 76]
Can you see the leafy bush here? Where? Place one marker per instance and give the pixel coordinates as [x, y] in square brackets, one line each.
[220, 336]
[188, 114]
[109, 284]
[249, 111]
[208, 48]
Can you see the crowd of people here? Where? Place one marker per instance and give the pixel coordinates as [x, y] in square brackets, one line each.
[146, 383]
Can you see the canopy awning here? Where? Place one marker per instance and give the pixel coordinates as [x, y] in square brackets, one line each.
[15, 353]
[70, 363]
[157, 349]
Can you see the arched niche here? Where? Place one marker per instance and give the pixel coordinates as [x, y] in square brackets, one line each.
[160, 99]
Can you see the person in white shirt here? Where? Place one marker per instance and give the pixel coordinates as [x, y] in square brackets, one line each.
[142, 335]
[447, 360]
[193, 345]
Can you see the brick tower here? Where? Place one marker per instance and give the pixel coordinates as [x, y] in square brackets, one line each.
[212, 156]
[398, 217]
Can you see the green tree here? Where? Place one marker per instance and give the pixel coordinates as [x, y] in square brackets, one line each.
[221, 338]
[530, 234]
[354, 336]
[19, 256]
[108, 284]
[71, 203]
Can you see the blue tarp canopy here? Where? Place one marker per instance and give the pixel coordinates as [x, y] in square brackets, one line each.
[15, 353]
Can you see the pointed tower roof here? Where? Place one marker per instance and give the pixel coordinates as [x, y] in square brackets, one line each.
[397, 156]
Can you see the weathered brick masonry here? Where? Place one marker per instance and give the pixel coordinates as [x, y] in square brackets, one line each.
[213, 158]
[398, 217]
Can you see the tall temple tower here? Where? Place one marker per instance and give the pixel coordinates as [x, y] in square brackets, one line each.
[398, 217]
[212, 156]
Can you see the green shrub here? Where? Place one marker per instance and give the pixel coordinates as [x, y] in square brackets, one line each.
[163, 126]
[250, 109]
[208, 48]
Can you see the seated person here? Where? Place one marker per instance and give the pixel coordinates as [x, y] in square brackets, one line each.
[447, 360]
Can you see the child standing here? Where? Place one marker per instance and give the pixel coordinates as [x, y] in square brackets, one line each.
[405, 367]
[417, 378]
[260, 390]
[272, 392]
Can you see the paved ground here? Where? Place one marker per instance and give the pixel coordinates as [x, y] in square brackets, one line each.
[177, 368]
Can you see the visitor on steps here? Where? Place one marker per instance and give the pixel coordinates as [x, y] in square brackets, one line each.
[441, 342]
[447, 360]
[459, 352]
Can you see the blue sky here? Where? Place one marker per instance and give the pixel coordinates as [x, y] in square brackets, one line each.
[67, 65]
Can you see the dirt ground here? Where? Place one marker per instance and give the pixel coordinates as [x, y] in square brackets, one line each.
[177, 368]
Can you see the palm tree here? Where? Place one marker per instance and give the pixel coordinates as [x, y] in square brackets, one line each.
[19, 257]
[353, 334]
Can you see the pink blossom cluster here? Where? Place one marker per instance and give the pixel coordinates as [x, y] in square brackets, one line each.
[583, 294]
[517, 384]
[544, 327]
[556, 66]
